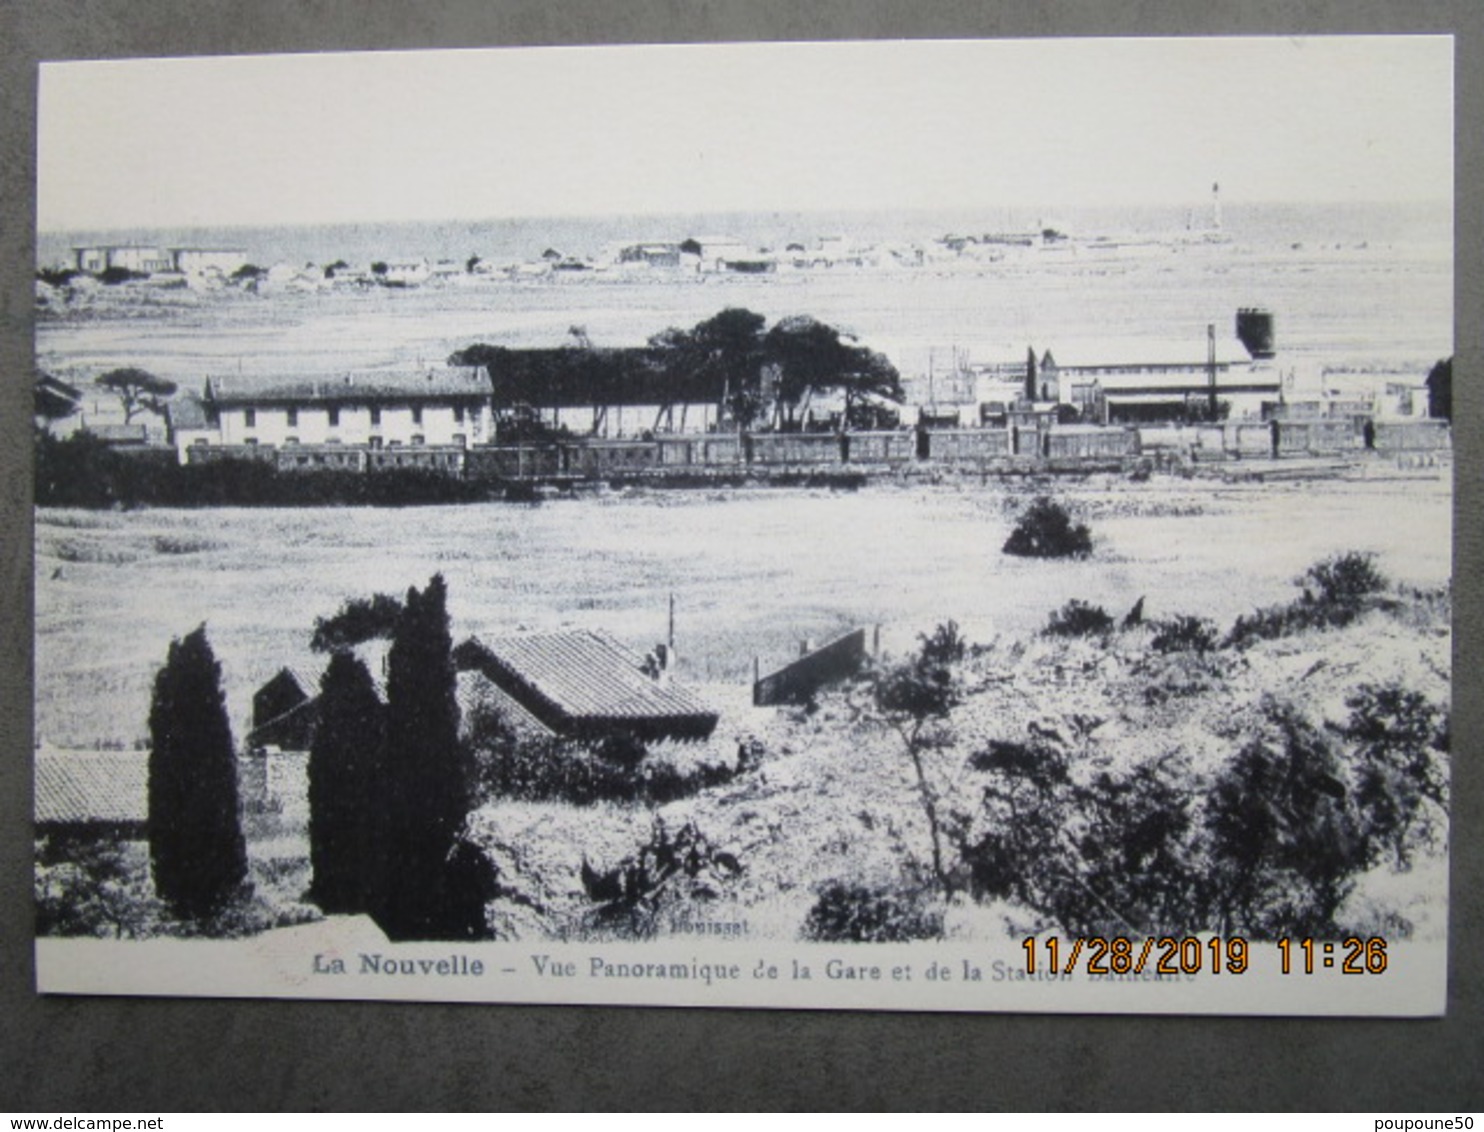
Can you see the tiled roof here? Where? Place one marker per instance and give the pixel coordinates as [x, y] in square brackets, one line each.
[76, 787]
[585, 678]
[121, 433]
[188, 412]
[475, 691]
[351, 388]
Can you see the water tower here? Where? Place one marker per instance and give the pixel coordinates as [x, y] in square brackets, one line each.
[1255, 331]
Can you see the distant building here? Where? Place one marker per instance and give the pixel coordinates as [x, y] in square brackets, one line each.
[134, 257]
[285, 711]
[1125, 380]
[653, 253]
[200, 261]
[1152, 379]
[128, 257]
[444, 407]
[54, 398]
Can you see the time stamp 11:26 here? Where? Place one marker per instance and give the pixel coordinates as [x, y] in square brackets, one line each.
[1190, 955]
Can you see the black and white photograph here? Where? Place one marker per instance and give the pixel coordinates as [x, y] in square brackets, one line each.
[956, 525]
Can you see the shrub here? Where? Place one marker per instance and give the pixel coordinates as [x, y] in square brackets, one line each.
[945, 646]
[1335, 592]
[93, 887]
[356, 621]
[1078, 619]
[1344, 579]
[1106, 857]
[554, 770]
[857, 914]
[1401, 769]
[115, 275]
[623, 749]
[1285, 837]
[1184, 633]
[631, 892]
[1046, 530]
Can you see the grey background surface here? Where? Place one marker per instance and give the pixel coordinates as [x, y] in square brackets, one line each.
[76, 1055]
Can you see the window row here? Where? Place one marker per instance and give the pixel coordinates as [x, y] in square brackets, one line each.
[250, 416]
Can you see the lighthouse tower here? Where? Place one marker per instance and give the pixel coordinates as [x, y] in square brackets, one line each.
[1215, 206]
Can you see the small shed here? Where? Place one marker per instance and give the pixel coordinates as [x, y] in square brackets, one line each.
[285, 711]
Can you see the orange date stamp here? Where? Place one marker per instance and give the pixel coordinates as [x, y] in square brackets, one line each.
[1194, 955]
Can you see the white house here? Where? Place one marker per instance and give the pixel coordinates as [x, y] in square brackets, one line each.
[443, 407]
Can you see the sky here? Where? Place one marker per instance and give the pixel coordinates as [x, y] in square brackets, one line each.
[444, 135]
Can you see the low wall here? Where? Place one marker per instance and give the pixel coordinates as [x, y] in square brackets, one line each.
[795, 683]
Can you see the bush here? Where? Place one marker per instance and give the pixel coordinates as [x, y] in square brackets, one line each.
[1285, 837]
[1184, 633]
[115, 275]
[630, 893]
[945, 646]
[553, 770]
[1106, 857]
[1344, 579]
[1046, 530]
[857, 914]
[1401, 769]
[1078, 619]
[1335, 592]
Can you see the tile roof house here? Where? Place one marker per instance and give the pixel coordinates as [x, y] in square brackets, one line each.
[445, 406]
[92, 793]
[585, 685]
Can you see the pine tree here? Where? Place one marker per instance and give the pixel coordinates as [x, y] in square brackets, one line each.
[345, 763]
[197, 854]
[424, 792]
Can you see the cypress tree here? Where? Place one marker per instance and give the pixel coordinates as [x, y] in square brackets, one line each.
[424, 792]
[345, 764]
[197, 854]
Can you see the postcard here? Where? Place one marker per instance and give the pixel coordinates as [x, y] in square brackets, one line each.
[936, 525]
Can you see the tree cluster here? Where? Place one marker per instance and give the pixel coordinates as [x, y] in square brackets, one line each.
[390, 785]
[768, 375]
[1272, 844]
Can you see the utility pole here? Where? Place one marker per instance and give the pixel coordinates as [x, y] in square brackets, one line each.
[1211, 367]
